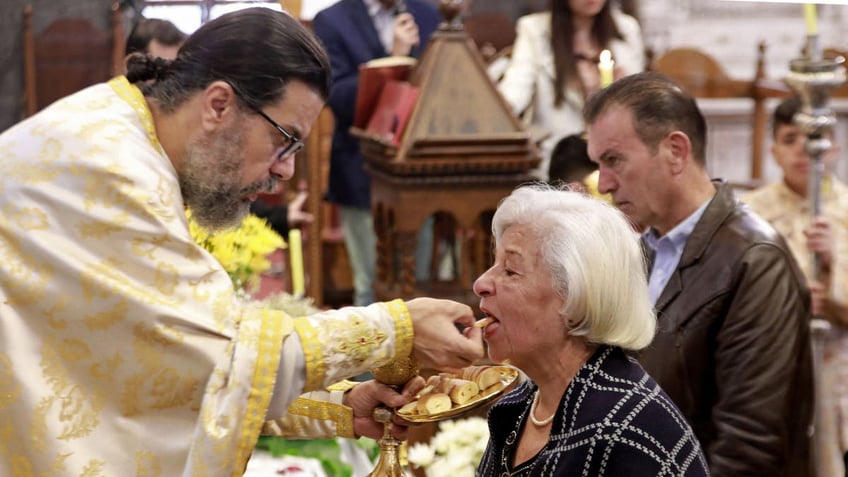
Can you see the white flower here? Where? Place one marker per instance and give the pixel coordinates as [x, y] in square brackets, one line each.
[421, 455]
[455, 450]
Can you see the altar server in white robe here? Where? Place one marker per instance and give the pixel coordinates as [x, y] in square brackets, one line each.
[123, 351]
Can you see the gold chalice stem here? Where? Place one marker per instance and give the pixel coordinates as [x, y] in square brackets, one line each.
[396, 374]
[389, 463]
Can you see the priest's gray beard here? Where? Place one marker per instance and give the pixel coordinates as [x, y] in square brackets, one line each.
[210, 180]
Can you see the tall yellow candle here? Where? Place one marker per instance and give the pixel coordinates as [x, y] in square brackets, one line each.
[810, 16]
[296, 262]
[605, 67]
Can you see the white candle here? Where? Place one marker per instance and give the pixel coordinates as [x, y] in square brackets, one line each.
[296, 262]
[605, 67]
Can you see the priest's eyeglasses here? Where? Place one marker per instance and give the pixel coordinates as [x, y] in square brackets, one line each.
[291, 144]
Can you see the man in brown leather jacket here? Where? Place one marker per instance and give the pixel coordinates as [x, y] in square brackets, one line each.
[732, 346]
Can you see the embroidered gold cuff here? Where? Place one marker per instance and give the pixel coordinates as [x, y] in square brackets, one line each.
[403, 327]
[339, 414]
[342, 386]
[313, 353]
[343, 343]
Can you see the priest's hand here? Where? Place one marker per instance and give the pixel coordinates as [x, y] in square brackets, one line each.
[439, 343]
[365, 397]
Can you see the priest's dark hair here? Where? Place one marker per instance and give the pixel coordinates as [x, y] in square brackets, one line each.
[256, 50]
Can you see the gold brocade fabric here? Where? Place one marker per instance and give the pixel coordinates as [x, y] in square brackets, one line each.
[790, 215]
[123, 351]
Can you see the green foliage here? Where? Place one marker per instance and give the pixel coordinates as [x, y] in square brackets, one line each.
[326, 451]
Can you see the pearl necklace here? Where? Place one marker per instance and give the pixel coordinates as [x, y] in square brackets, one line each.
[536, 422]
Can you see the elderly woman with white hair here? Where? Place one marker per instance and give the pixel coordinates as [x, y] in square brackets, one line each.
[568, 295]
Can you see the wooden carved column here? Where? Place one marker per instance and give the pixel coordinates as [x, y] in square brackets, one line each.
[405, 247]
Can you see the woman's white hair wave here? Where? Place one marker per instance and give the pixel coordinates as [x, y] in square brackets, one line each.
[595, 261]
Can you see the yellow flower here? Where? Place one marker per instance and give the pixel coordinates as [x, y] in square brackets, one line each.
[243, 250]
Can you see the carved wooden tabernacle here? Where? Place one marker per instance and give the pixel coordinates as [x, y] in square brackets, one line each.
[461, 152]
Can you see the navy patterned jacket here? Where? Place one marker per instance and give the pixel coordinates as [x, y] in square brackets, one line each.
[614, 420]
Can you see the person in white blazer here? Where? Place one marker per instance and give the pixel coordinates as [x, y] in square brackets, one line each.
[550, 75]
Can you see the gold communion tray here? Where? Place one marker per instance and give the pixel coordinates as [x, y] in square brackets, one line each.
[508, 377]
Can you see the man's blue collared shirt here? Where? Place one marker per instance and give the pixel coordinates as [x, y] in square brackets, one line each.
[668, 249]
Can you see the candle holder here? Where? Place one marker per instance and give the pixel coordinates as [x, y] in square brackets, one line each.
[394, 374]
[812, 78]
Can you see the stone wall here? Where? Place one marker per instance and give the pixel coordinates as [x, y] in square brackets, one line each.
[731, 31]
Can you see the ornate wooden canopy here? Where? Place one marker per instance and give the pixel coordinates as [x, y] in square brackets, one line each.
[460, 153]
